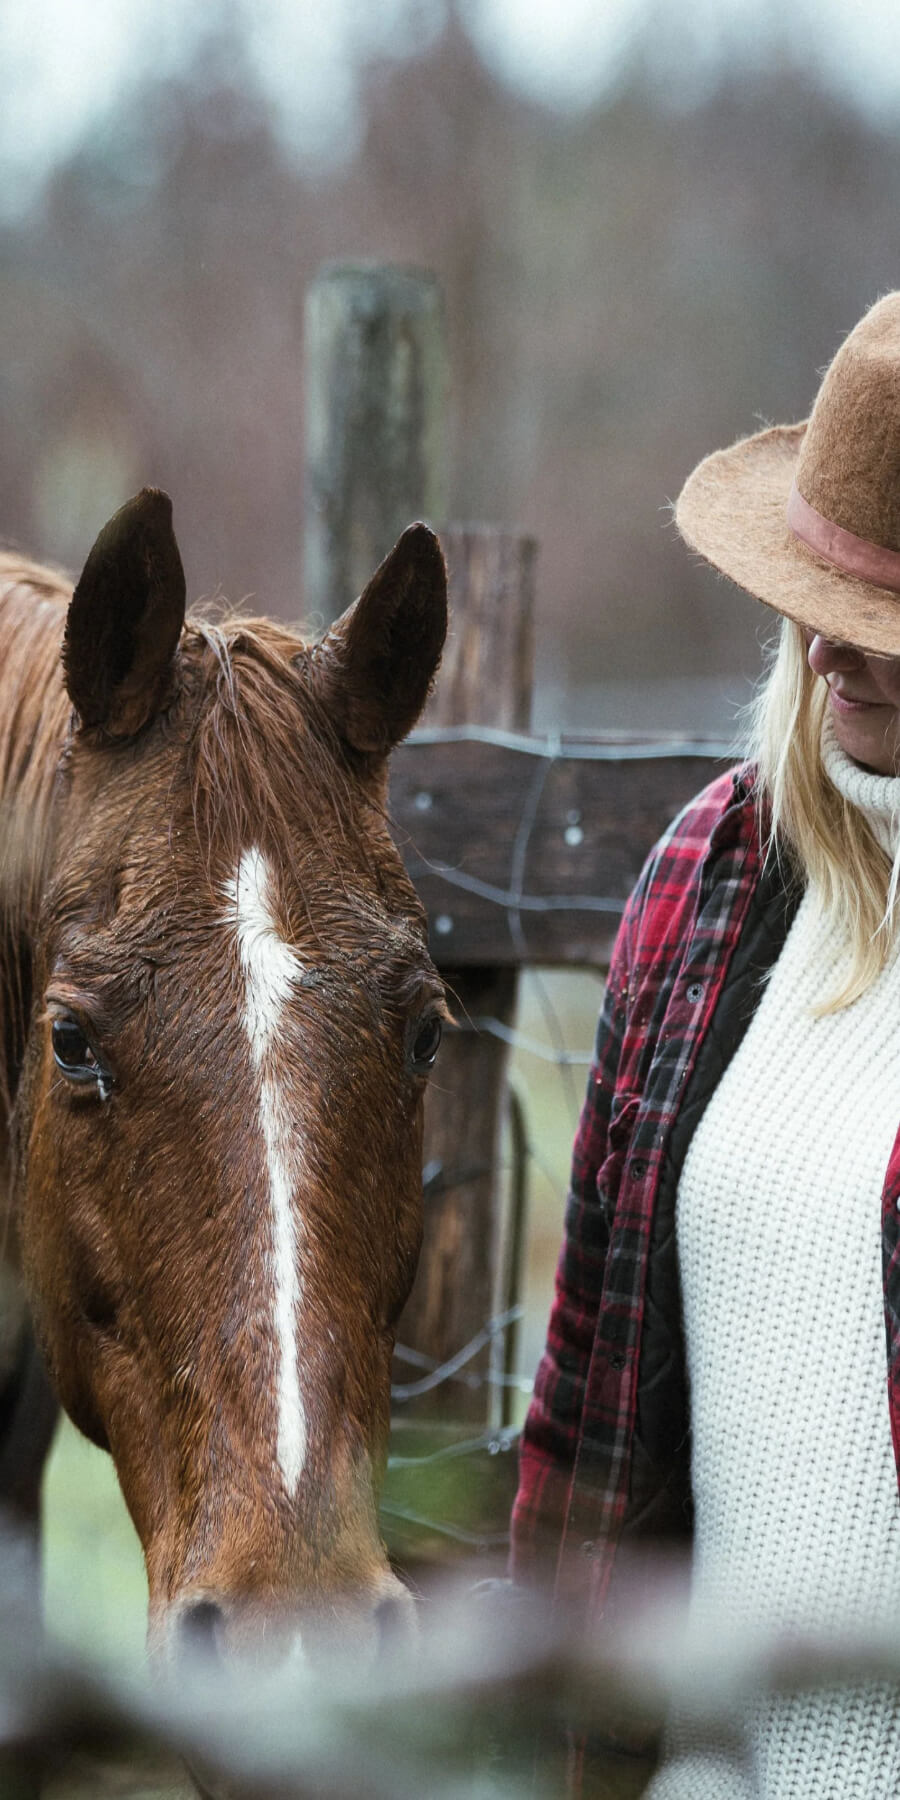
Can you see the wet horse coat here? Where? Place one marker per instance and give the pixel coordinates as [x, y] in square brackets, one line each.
[219, 1016]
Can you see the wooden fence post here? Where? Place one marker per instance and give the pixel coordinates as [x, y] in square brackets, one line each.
[375, 373]
[486, 679]
[375, 392]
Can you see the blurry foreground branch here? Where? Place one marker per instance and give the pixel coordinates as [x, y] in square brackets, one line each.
[477, 1708]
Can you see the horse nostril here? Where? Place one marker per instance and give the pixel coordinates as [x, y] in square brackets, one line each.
[202, 1629]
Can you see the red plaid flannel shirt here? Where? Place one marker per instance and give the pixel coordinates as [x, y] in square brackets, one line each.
[667, 972]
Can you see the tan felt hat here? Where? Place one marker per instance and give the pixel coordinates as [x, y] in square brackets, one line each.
[807, 517]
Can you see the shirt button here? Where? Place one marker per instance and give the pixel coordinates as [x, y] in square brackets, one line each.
[617, 1362]
[694, 991]
[587, 1548]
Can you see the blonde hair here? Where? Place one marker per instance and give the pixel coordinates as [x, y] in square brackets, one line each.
[822, 836]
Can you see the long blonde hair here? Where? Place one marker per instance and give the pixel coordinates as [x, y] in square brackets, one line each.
[824, 838]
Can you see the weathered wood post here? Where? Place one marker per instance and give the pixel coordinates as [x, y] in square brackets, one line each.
[375, 369]
[486, 679]
[376, 374]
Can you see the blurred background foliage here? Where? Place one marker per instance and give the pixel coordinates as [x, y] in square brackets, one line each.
[652, 226]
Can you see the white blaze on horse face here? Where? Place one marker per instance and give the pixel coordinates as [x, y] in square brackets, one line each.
[270, 967]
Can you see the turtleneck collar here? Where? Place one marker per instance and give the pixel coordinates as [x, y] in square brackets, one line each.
[876, 796]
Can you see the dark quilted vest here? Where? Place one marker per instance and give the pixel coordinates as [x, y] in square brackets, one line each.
[659, 1503]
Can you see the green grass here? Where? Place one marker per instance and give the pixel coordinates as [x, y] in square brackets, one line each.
[95, 1590]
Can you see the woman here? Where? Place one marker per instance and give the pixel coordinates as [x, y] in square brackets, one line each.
[723, 1356]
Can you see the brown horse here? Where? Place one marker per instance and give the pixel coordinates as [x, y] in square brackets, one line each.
[219, 1015]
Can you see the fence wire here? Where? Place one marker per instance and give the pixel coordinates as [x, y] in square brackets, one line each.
[550, 1044]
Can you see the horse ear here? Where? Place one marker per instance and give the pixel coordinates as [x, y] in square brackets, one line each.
[125, 618]
[375, 667]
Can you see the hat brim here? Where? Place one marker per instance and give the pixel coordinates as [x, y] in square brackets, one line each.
[732, 510]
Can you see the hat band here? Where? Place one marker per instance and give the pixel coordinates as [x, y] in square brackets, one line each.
[851, 554]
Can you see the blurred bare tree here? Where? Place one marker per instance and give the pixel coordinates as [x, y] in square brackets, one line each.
[626, 289]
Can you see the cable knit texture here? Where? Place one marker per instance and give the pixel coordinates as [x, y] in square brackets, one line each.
[795, 1485]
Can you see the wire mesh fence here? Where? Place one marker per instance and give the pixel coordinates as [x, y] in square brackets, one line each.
[550, 1045]
[524, 850]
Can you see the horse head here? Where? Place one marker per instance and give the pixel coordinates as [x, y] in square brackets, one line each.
[219, 1116]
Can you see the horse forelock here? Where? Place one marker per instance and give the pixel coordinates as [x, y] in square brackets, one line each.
[266, 767]
[261, 750]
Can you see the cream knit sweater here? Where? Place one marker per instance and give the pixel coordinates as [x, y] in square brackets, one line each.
[779, 1238]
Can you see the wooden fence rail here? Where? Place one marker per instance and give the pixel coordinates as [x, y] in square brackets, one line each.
[525, 849]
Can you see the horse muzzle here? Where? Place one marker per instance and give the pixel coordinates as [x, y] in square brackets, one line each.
[212, 1628]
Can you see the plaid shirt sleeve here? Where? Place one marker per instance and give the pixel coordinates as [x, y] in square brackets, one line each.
[649, 950]
[550, 1437]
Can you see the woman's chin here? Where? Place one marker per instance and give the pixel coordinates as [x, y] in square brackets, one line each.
[863, 733]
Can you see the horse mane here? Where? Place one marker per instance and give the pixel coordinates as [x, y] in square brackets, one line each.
[33, 722]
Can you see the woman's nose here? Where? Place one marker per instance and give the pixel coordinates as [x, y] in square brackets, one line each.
[825, 656]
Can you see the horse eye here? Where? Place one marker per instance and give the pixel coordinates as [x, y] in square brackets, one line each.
[73, 1053]
[426, 1043]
